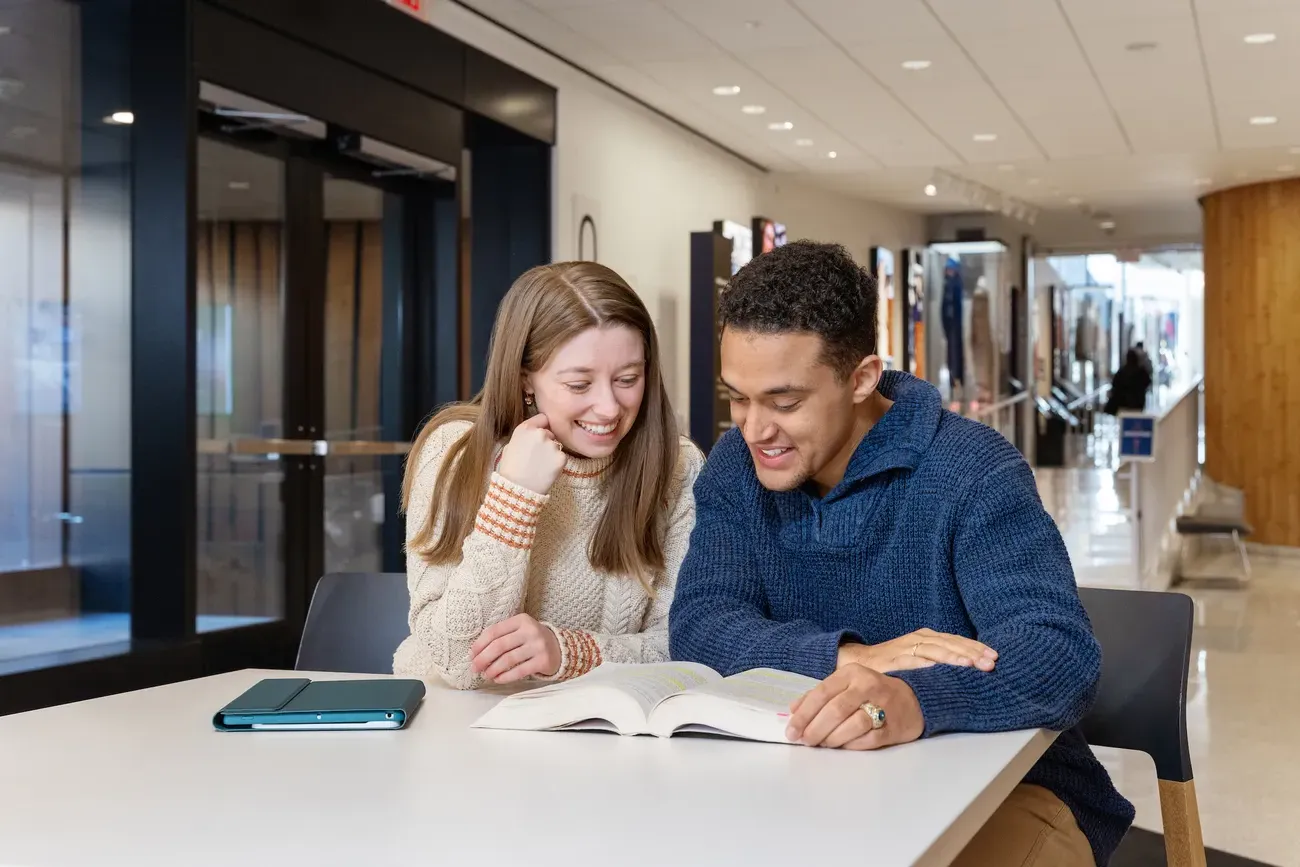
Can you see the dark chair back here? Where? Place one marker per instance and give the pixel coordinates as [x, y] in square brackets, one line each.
[1146, 646]
[355, 622]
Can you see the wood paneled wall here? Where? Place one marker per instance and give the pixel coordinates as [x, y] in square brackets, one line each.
[1252, 352]
[239, 271]
[354, 328]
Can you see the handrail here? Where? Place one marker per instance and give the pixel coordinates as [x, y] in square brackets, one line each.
[302, 447]
[1092, 395]
[1000, 405]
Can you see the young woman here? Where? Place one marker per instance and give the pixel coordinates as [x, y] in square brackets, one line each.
[546, 519]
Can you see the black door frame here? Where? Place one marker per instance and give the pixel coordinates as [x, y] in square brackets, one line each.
[410, 216]
[406, 84]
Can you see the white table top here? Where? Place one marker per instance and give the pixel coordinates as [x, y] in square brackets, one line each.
[142, 779]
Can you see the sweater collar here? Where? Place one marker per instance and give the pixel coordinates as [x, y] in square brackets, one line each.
[586, 472]
[901, 437]
[578, 472]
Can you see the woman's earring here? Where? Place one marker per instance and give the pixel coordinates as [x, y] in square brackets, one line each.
[528, 399]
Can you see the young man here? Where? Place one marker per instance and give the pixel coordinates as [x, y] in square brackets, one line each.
[846, 509]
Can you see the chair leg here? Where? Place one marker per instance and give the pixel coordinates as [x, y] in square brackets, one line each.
[1241, 549]
[1182, 819]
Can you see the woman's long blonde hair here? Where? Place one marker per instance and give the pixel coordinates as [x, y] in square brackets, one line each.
[544, 309]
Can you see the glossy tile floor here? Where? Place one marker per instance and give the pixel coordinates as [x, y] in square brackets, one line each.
[1244, 688]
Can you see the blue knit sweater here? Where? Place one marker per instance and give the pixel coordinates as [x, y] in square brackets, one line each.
[937, 523]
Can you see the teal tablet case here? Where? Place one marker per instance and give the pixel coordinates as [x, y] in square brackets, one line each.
[298, 699]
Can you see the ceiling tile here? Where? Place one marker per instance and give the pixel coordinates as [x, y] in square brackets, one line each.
[1055, 81]
[836, 90]
[1253, 80]
[749, 25]
[736, 136]
[951, 98]
[696, 79]
[1031, 57]
[637, 32]
[548, 5]
[545, 31]
[1159, 94]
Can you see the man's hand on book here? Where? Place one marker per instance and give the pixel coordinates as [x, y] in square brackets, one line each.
[515, 648]
[831, 714]
[920, 649]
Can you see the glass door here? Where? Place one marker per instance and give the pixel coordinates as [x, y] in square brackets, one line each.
[362, 458]
[239, 272]
[310, 272]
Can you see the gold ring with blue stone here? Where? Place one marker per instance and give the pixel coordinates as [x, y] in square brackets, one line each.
[875, 714]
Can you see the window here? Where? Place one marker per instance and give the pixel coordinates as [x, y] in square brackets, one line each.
[64, 331]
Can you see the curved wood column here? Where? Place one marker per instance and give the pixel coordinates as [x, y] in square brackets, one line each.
[1252, 352]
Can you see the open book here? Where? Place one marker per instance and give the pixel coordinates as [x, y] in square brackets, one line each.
[660, 699]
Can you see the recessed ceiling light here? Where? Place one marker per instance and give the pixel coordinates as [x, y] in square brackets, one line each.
[1260, 38]
[239, 185]
[1106, 224]
[726, 90]
[1141, 46]
[931, 190]
[830, 155]
[986, 136]
[1263, 120]
[120, 117]
[1286, 170]
[780, 125]
[916, 65]
[753, 109]
[1075, 200]
[804, 142]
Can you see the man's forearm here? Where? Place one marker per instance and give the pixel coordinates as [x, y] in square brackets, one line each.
[1014, 696]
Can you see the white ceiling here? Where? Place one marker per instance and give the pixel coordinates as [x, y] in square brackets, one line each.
[1078, 115]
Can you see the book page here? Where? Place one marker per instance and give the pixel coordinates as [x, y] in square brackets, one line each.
[651, 684]
[763, 689]
[621, 694]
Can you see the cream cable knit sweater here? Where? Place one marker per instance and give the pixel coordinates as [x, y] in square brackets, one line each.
[528, 553]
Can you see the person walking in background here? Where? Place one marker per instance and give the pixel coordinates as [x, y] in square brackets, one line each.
[547, 518]
[1148, 365]
[1130, 384]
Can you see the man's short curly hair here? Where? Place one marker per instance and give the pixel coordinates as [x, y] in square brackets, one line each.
[806, 287]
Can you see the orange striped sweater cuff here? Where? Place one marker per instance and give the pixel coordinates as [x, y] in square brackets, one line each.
[579, 653]
[509, 513]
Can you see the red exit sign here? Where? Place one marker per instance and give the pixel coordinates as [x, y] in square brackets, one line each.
[413, 5]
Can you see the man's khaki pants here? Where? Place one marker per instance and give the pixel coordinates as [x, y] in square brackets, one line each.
[1032, 828]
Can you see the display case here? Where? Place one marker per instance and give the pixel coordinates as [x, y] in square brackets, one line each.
[969, 309]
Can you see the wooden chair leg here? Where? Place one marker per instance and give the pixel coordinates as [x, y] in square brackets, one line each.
[1182, 819]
